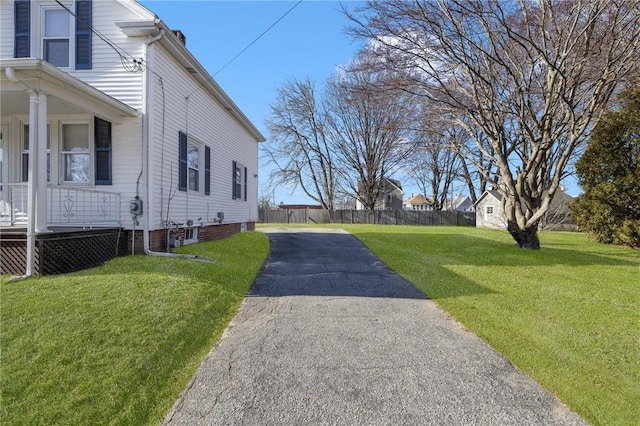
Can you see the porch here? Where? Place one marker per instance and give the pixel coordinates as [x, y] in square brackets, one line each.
[83, 230]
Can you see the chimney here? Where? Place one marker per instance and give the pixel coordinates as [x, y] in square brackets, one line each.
[181, 36]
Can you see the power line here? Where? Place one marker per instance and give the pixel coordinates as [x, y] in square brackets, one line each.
[258, 38]
[130, 64]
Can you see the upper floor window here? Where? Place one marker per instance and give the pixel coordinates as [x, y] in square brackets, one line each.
[54, 33]
[489, 210]
[56, 37]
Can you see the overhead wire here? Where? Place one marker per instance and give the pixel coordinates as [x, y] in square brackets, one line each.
[258, 38]
[129, 62]
[249, 45]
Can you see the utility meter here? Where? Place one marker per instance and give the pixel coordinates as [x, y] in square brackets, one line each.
[135, 206]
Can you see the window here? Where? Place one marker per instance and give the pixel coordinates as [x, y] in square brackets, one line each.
[193, 164]
[190, 235]
[192, 158]
[25, 153]
[239, 181]
[63, 37]
[75, 153]
[56, 37]
[489, 210]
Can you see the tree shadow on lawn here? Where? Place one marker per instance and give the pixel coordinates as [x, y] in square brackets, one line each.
[460, 249]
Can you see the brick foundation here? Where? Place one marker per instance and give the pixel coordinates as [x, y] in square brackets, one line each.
[158, 238]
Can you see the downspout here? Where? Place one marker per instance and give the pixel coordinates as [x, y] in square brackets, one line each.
[145, 164]
[34, 99]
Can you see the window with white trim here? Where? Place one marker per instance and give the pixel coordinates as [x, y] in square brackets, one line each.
[190, 235]
[239, 181]
[64, 34]
[56, 36]
[74, 154]
[193, 158]
[489, 210]
[193, 165]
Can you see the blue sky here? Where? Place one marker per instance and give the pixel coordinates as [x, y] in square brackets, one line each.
[309, 42]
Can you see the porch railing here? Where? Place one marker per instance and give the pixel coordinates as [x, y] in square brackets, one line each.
[69, 207]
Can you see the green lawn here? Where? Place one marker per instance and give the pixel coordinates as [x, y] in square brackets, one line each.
[117, 344]
[568, 315]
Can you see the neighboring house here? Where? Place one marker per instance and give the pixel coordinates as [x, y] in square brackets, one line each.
[489, 212]
[461, 203]
[390, 197]
[418, 203]
[111, 129]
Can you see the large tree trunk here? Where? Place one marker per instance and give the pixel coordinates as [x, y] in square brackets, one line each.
[525, 238]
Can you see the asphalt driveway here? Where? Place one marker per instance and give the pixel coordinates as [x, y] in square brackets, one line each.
[330, 336]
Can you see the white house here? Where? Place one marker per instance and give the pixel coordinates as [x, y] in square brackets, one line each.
[461, 203]
[111, 127]
[418, 203]
[490, 214]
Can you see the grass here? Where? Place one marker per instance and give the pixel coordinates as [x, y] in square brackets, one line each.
[117, 344]
[568, 315]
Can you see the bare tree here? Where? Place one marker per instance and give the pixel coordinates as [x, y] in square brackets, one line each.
[530, 78]
[370, 126]
[299, 148]
[435, 164]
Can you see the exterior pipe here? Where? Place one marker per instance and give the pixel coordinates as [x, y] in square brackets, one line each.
[145, 165]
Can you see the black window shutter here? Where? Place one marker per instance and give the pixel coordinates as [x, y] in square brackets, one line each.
[102, 134]
[182, 161]
[22, 41]
[207, 170]
[83, 34]
[233, 179]
[245, 184]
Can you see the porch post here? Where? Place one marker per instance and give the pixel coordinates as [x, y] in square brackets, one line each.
[41, 166]
[34, 128]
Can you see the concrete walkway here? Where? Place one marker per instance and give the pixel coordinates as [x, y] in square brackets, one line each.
[330, 336]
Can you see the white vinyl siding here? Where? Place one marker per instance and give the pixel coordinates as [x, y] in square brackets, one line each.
[208, 123]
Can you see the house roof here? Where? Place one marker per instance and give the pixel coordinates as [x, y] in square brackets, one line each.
[418, 199]
[491, 193]
[394, 182]
[170, 41]
[559, 197]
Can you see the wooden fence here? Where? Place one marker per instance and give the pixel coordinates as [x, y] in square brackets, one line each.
[382, 217]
